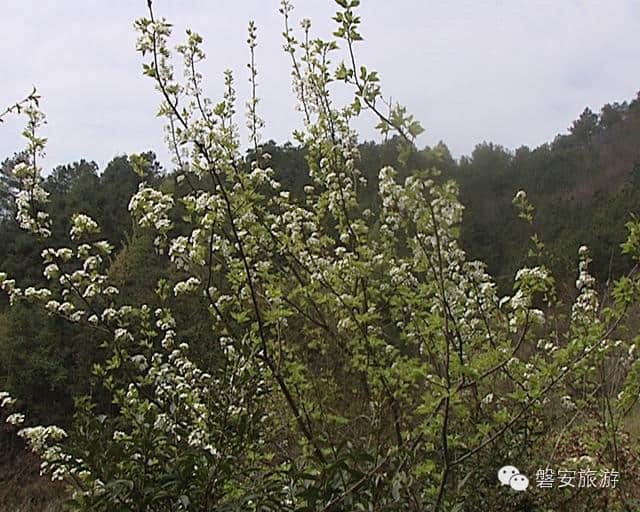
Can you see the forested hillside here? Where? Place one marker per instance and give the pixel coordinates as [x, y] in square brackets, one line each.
[585, 186]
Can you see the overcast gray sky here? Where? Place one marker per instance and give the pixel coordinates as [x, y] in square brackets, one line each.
[513, 72]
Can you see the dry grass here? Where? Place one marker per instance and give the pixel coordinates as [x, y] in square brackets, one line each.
[22, 489]
[632, 424]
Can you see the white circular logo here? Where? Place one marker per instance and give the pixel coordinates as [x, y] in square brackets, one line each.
[519, 482]
[510, 475]
[505, 473]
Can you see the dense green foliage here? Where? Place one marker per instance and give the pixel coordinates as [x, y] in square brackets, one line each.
[309, 327]
[584, 192]
[585, 186]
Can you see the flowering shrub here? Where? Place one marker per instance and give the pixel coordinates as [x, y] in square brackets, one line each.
[360, 360]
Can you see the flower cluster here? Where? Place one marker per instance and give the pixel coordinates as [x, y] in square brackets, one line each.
[83, 226]
[586, 304]
[151, 208]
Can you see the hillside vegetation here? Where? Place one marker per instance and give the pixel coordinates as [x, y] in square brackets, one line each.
[324, 325]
